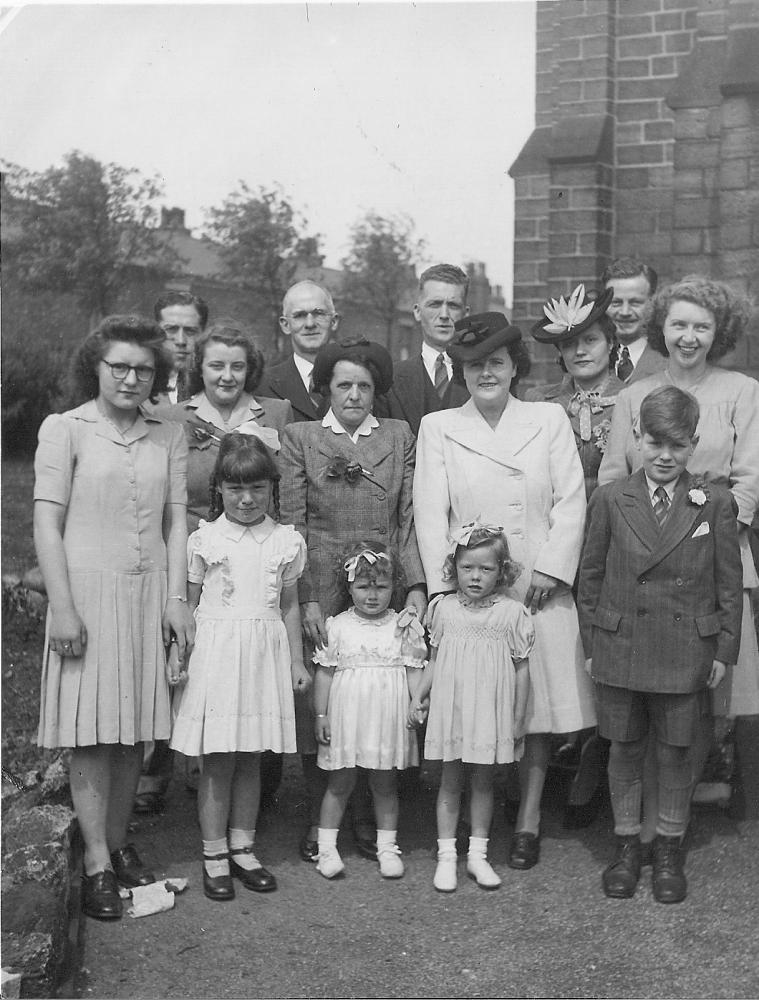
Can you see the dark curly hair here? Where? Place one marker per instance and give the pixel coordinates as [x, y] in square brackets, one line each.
[520, 358]
[731, 312]
[508, 568]
[242, 458]
[391, 566]
[176, 298]
[230, 333]
[84, 382]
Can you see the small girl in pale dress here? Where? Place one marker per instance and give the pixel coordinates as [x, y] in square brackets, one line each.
[364, 681]
[247, 659]
[479, 684]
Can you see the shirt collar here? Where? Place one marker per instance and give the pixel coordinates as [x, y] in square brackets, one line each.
[636, 349]
[305, 367]
[236, 532]
[429, 360]
[364, 429]
[246, 408]
[669, 488]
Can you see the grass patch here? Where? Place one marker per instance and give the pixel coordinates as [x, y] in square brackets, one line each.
[17, 503]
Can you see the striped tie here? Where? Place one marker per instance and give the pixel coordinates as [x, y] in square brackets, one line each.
[441, 376]
[661, 507]
[624, 364]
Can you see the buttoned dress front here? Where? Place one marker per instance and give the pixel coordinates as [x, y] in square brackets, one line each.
[114, 488]
[524, 475]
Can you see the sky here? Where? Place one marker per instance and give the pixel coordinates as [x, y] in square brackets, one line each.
[400, 108]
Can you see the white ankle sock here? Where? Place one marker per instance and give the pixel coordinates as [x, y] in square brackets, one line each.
[239, 839]
[386, 838]
[446, 846]
[216, 868]
[327, 838]
[478, 847]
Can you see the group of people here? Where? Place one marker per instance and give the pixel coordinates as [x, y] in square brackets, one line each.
[386, 560]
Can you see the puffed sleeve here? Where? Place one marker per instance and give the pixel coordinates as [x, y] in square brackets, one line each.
[413, 646]
[196, 564]
[326, 656]
[295, 559]
[614, 464]
[54, 459]
[521, 635]
[178, 457]
[435, 616]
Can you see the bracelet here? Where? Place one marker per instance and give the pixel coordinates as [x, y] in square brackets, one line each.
[177, 597]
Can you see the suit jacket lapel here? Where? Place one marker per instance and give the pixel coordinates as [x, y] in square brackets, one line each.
[634, 504]
[370, 451]
[682, 516]
[503, 445]
[290, 386]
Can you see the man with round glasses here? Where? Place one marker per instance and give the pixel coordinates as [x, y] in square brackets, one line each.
[309, 320]
[182, 316]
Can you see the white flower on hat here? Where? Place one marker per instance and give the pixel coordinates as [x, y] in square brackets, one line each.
[566, 313]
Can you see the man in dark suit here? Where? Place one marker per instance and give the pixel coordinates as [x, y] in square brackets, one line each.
[660, 613]
[633, 283]
[309, 320]
[182, 317]
[425, 383]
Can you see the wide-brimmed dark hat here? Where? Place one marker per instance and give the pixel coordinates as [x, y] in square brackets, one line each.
[481, 334]
[568, 318]
[358, 352]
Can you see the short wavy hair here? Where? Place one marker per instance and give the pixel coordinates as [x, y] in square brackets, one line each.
[230, 333]
[520, 358]
[176, 298]
[730, 309]
[508, 569]
[84, 382]
[630, 267]
[391, 565]
[449, 274]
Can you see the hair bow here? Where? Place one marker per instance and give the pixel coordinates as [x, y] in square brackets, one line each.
[351, 565]
[268, 435]
[463, 535]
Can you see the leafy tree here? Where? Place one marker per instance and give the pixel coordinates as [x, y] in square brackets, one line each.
[262, 242]
[379, 268]
[81, 228]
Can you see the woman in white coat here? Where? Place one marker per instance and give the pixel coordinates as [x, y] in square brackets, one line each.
[514, 464]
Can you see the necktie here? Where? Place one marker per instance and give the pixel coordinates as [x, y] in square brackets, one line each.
[624, 364]
[314, 396]
[441, 376]
[661, 507]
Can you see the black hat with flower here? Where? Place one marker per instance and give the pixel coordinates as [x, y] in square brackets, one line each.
[568, 318]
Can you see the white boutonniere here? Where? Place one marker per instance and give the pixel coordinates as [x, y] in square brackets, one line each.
[697, 496]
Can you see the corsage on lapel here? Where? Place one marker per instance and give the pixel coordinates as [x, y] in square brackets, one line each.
[698, 494]
[201, 434]
[351, 472]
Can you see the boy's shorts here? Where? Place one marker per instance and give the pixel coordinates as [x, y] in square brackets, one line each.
[625, 715]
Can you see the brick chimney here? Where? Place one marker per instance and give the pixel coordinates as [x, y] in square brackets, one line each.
[173, 218]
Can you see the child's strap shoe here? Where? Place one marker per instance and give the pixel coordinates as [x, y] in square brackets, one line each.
[445, 879]
[328, 862]
[390, 863]
[480, 870]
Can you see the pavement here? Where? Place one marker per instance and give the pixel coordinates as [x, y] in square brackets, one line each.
[548, 932]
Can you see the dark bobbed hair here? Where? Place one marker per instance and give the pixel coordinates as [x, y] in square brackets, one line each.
[630, 267]
[172, 298]
[242, 458]
[232, 334]
[669, 414]
[358, 351]
[448, 273]
[520, 358]
[608, 329]
[127, 329]
[731, 312]
[391, 566]
[508, 568]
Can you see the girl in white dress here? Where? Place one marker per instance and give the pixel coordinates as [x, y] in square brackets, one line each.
[247, 659]
[478, 684]
[365, 678]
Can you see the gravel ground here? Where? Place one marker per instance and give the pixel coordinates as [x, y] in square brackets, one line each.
[548, 932]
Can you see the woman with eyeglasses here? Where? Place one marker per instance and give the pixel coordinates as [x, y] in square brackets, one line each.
[110, 532]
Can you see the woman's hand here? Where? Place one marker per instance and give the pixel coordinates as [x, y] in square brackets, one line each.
[68, 635]
[542, 587]
[178, 622]
[321, 730]
[301, 678]
[416, 598]
[313, 623]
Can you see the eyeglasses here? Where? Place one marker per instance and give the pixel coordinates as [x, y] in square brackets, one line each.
[172, 329]
[320, 315]
[143, 373]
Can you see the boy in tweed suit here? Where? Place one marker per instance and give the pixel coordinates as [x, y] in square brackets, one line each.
[660, 611]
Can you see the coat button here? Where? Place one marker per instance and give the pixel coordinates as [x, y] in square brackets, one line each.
[381, 496]
[641, 612]
[677, 617]
[642, 582]
[679, 582]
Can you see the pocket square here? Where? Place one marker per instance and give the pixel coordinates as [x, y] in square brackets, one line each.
[702, 529]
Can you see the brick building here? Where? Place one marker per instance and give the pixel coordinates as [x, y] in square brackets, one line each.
[646, 143]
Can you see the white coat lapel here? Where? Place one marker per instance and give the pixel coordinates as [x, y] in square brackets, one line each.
[502, 445]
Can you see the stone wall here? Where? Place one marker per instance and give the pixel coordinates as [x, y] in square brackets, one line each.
[646, 143]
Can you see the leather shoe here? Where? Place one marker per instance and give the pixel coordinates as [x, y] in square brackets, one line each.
[130, 871]
[147, 804]
[308, 848]
[620, 878]
[524, 851]
[100, 896]
[366, 842]
[668, 881]
[258, 879]
[217, 887]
